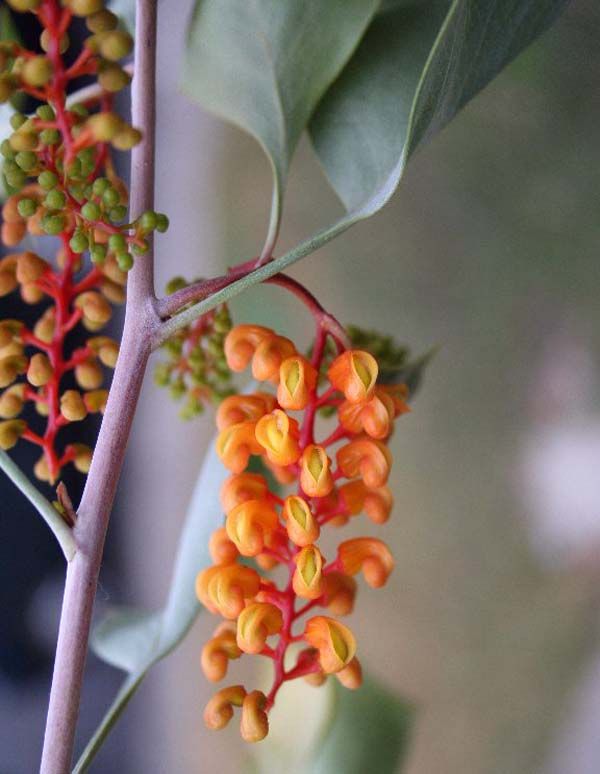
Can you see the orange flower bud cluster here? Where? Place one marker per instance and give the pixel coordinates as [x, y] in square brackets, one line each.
[57, 164]
[331, 486]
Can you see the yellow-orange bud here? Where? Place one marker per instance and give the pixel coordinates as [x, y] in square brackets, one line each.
[255, 623]
[354, 373]
[297, 380]
[219, 710]
[302, 527]
[351, 675]
[241, 343]
[31, 293]
[11, 401]
[370, 555]
[255, 722]
[278, 435]
[106, 349]
[222, 549]
[88, 375]
[367, 458]
[219, 650]
[308, 576]
[72, 406]
[225, 588]
[268, 357]
[30, 267]
[41, 470]
[44, 327]
[241, 487]
[11, 367]
[95, 401]
[11, 235]
[40, 370]
[339, 593]
[235, 444]
[376, 503]
[250, 524]
[375, 417]
[243, 408]
[96, 309]
[9, 330]
[334, 641]
[10, 432]
[315, 472]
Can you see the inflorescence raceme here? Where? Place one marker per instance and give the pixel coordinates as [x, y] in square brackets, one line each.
[261, 616]
[58, 165]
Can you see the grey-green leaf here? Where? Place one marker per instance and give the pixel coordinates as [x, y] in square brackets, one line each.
[417, 66]
[265, 64]
[133, 640]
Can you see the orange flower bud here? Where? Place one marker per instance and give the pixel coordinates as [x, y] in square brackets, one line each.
[376, 503]
[30, 267]
[351, 676]
[235, 444]
[370, 555]
[241, 487]
[95, 401]
[225, 588]
[315, 678]
[278, 435]
[339, 593]
[375, 416]
[302, 527]
[83, 456]
[12, 401]
[11, 235]
[10, 368]
[255, 623]
[249, 526]
[106, 349]
[354, 373]
[30, 293]
[243, 408]
[9, 331]
[241, 343]
[308, 576]
[334, 641]
[266, 561]
[88, 375]
[219, 650]
[315, 473]
[222, 549]
[367, 458]
[219, 710]
[40, 370]
[268, 357]
[10, 432]
[255, 723]
[297, 380]
[41, 470]
[96, 309]
[72, 406]
[44, 327]
[399, 395]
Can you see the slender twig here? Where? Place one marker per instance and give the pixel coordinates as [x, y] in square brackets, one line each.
[141, 321]
[61, 530]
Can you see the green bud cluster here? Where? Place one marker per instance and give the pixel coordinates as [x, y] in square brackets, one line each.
[194, 366]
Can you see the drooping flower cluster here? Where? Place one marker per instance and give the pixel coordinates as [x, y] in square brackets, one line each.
[284, 532]
[58, 164]
[194, 366]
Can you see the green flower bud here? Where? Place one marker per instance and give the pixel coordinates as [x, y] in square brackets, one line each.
[124, 261]
[6, 150]
[117, 214]
[55, 199]
[16, 178]
[162, 222]
[116, 44]
[78, 242]
[45, 43]
[127, 138]
[110, 196]
[79, 110]
[47, 179]
[7, 87]
[91, 211]
[53, 224]
[105, 126]
[26, 160]
[141, 249]
[101, 184]
[37, 71]
[50, 136]
[148, 221]
[46, 113]
[102, 21]
[117, 243]
[98, 253]
[175, 284]
[27, 207]
[17, 120]
[113, 78]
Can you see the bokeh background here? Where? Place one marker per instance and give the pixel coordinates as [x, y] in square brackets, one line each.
[489, 252]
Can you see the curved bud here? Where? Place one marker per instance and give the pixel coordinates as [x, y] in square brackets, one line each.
[308, 576]
[96, 309]
[30, 267]
[370, 555]
[10, 432]
[44, 327]
[249, 526]
[339, 593]
[10, 368]
[222, 549]
[88, 375]
[72, 406]
[218, 652]
[302, 527]
[224, 589]
[255, 623]
[39, 371]
[375, 417]
[243, 408]
[278, 435]
[354, 373]
[367, 458]
[255, 723]
[351, 675]
[376, 503]
[334, 641]
[219, 710]
[315, 472]
[241, 487]
[297, 380]
[235, 444]
[12, 401]
[268, 357]
[241, 342]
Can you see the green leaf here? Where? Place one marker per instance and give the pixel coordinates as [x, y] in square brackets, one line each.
[417, 65]
[265, 64]
[134, 641]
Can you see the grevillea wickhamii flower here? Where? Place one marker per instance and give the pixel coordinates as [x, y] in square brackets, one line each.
[58, 163]
[328, 481]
